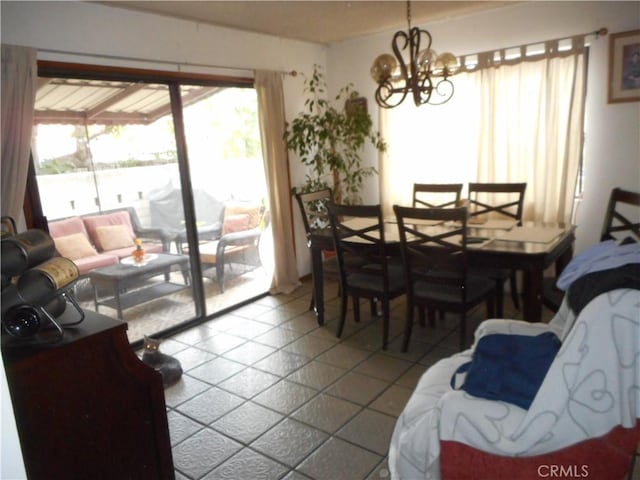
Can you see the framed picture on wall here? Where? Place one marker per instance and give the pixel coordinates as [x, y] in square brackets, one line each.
[624, 67]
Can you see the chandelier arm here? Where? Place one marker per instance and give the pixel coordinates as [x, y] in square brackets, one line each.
[422, 92]
[397, 51]
[385, 91]
[446, 96]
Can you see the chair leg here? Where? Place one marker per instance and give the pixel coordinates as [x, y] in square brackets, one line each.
[356, 308]
[514, 290]
[491, 311]
[499, 298]
[463, 331]
[343, 315]
[312, 303]
[432, 317]
[373, 304]
[385, 323]
[408, 325]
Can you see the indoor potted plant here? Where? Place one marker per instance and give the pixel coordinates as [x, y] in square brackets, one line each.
[329, 140]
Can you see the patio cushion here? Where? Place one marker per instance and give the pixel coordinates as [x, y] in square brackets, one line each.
[112, 237]
[116, 218]
[66, 227]
[74, 246]
[236, 223]
[86, 264]
[237, 208]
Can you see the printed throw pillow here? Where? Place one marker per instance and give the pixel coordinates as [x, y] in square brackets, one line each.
[112, 237]
[74, 246]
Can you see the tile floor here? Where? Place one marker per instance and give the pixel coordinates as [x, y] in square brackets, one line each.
[267, 394]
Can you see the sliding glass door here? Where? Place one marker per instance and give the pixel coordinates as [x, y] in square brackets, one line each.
[121, 162]
[229, 194]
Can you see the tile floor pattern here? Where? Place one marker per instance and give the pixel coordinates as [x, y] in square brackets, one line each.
[267, 394]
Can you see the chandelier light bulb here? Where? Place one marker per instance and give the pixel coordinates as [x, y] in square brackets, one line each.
[383, 67]
[426, 59]
[446, 64]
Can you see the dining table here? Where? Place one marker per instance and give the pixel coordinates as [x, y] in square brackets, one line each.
[530, 248]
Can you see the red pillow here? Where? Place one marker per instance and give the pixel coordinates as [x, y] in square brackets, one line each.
[236, 223]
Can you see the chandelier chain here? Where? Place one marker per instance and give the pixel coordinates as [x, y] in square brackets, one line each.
[409, 14]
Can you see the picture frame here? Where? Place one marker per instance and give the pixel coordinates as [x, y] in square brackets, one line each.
[624, 67]
[356, 104]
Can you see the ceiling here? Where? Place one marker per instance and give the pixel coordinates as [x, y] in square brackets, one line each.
[314, 21]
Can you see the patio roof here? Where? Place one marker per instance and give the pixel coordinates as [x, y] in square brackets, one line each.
[63, 100]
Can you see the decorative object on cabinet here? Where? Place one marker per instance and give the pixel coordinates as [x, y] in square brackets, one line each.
[36, 289]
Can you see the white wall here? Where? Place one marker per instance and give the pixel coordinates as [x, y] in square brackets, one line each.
[612, 146]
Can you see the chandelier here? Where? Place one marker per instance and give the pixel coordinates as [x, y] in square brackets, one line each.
[425, 74]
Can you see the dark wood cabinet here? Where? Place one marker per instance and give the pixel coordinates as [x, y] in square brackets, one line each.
[88, 408]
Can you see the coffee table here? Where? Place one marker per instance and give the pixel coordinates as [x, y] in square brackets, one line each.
[122, 282]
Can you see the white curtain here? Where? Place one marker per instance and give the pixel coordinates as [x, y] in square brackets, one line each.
[531, 131]
[518, 122]
[272, 124]
[18, 92]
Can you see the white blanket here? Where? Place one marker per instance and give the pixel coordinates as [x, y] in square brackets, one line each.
[592, 386]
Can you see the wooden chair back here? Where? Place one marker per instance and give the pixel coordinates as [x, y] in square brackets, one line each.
[313, 206]
[622, 204]
[433, 254]
[504, 199]
[436, 195]
[358, 235]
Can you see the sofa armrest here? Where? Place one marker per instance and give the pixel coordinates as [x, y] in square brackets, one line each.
[235, 239]
[243, 237]
[206, 233]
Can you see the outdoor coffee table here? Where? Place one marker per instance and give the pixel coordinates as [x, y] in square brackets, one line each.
[123, 282]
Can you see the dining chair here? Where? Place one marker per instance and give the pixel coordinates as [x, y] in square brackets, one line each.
[445, 194]
[499, 201]
[435, 266]
[366, 270]
[313, 207]
[617, 225]
[435, 195]
[622, 205]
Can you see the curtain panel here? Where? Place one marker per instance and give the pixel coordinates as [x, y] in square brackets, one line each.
[531, 130]
[272, 124]
[507, 122]
[17, 99]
